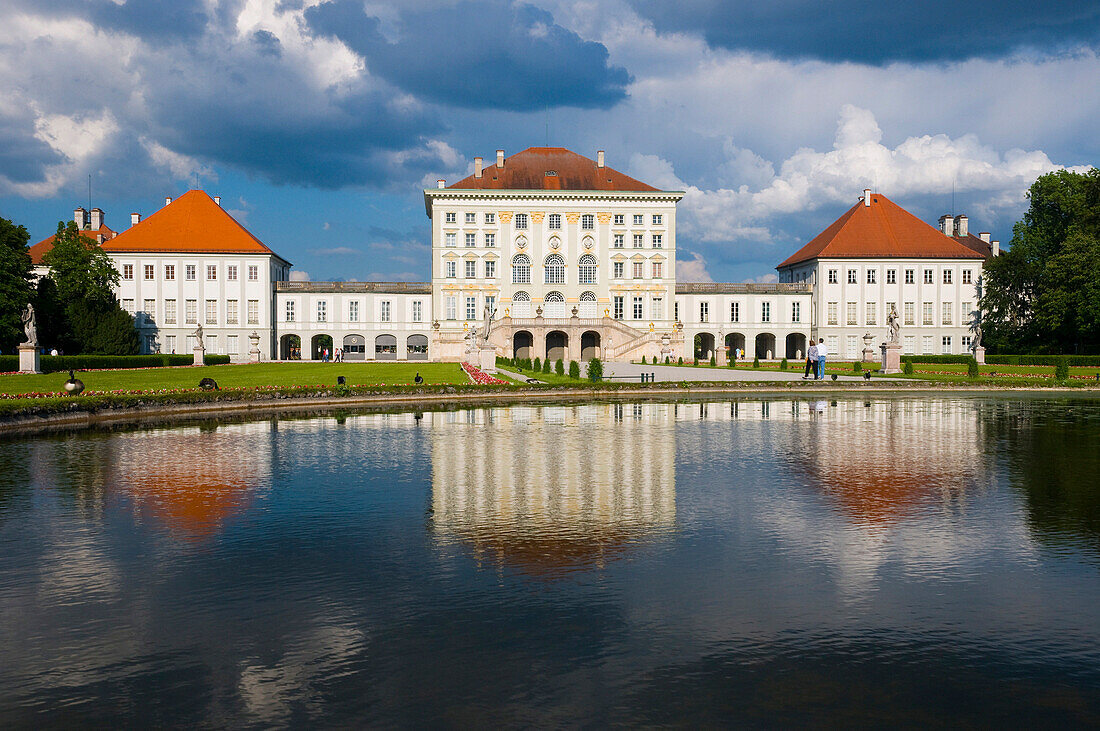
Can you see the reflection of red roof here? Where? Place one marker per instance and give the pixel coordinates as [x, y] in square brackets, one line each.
[43, 247]
[882, 229]
[550, 168]
[191, 223]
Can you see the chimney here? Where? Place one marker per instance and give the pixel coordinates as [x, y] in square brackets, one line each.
[97, 218]
[947, 225]
[962, 227]
[441, 183]
[867, 197]
[167, 201]
[135, 219]
[99, 238]
[599, 158]
[218, 200]
[984, 236]
[477, 167]
[80, 217]
[500, 158]
[996, 247]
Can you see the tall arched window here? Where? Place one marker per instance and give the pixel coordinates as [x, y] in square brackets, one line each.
[554, 305]
[521, 304]
[586, 272]
[588, 304]
[555, 270]
[521, 270]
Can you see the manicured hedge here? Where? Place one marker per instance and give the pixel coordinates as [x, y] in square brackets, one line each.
[936, 359]
[1043, 360]
[62, 363]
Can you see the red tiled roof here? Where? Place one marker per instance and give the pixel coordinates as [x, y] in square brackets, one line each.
[191, 223]
[881, 230]
[43, 247]
[528, 170]
[974, 242]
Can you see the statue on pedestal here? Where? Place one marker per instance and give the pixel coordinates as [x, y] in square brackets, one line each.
[198, 335]
[976, 328]
[29, 326]
[893, 325]
[489, 315]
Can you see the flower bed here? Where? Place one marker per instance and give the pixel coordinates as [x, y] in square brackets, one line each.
[480, 377]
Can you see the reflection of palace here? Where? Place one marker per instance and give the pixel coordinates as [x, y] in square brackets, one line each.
[547, 488]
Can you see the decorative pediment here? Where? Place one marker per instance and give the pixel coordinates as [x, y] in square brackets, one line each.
[470, 256]
[618, 257]
[450, 255]
[637, 257]
[657, 257]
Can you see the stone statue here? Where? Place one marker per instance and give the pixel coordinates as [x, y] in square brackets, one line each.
[198, 335]
[976, 328]
[893, 325]
[471, 340]
[489, 315]
[29, 326]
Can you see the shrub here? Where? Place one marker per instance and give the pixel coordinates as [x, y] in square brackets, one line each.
[755, 362]
[62, 363]
[958, 359]
[857, 367]
[783, 364]
[546, 366]
[680, 360]
[559, 368]
[1061, 370]
[1024, 360]
[972, 368]
[527, 365]
[666, 360]
[907, 368]
[643, 360]
[712, 362]
[538, 365]
[595, 370]
[574, 369]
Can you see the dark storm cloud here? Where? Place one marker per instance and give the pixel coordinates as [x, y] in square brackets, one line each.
[870, 32]
[23, 157]
[153, 18]
[480, 55]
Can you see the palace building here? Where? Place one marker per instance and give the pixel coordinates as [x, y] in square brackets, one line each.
[574, 260]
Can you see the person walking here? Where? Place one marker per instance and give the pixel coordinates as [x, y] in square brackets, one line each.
[822, 352]
[811, 362]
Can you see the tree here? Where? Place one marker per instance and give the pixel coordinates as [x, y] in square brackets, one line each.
[80, 269]
[15, 283]
[1043, 295]
[595, 370]
[104, 328]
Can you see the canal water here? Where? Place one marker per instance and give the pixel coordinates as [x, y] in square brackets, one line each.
[759, 562]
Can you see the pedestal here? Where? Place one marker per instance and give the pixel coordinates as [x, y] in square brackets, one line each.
[868, 355]
[200, 351]
[487, 360]
[29, 361]
[721, 358]
[891, 357]
[979, 355]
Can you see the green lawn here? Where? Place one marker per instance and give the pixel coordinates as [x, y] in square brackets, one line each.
[241, 376]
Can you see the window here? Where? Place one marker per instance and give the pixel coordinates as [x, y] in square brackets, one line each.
[735, 312]
[657, 308]
[639, 219]
[891, 276]
[231, 314]
[965, 313]
[211, 272]
[765, 312]
[947, 276]
[966, 341]
[170, 343]
[554, 270]
[490, 240]
[928, 279]
[170, 312]
[832, 311]
[638, 267]
[290, 310]
[852, 276]
[490, 269]
[909, 276]
[832, 276]
[554, 221]
[127, 271]
[148, 271]
[253, 273]
[618, 241]
[521, 270]
[910, 313]
[418, 306]
[385, 312]
[852, 347]
[676, 310]
[353, 311]
[928, 313]
[521, 220]
[967, 274]
[471, 218]
[638, 238]
[450, 239]
[170, 271]
[471, 269]
[471, 308]
[253, 312]
[704, 311]
[657, 219]
[586, 270]
[211, 312]
[617, 307]
[945, 344]
[617, 270]
[452, 307]
[658, 269]
[871, 313]
[191, 312]
[231, 272]
[189, 272]
[322, 311]
[796, 312]
[588, 222]
[490, 218]
[871, 276]
[910, 346]
[232, 345]
[450, 218]
[471, 241]
[853, 314]
[450, 269]
[491, 302]
[658, 241]
[149, 307]
[620, 219]
[946, 312]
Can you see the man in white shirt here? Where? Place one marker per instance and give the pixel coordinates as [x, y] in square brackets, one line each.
[822, 351]
[811, 361]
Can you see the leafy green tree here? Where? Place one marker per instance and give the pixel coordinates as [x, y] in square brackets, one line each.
[80, 269]
[15, 283]
[574, 369]
[595, 370]
[559, 367]
[104, 328]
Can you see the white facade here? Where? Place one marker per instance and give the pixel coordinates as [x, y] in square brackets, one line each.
[762, 320]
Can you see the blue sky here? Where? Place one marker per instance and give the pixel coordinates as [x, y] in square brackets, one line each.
[320, 122]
